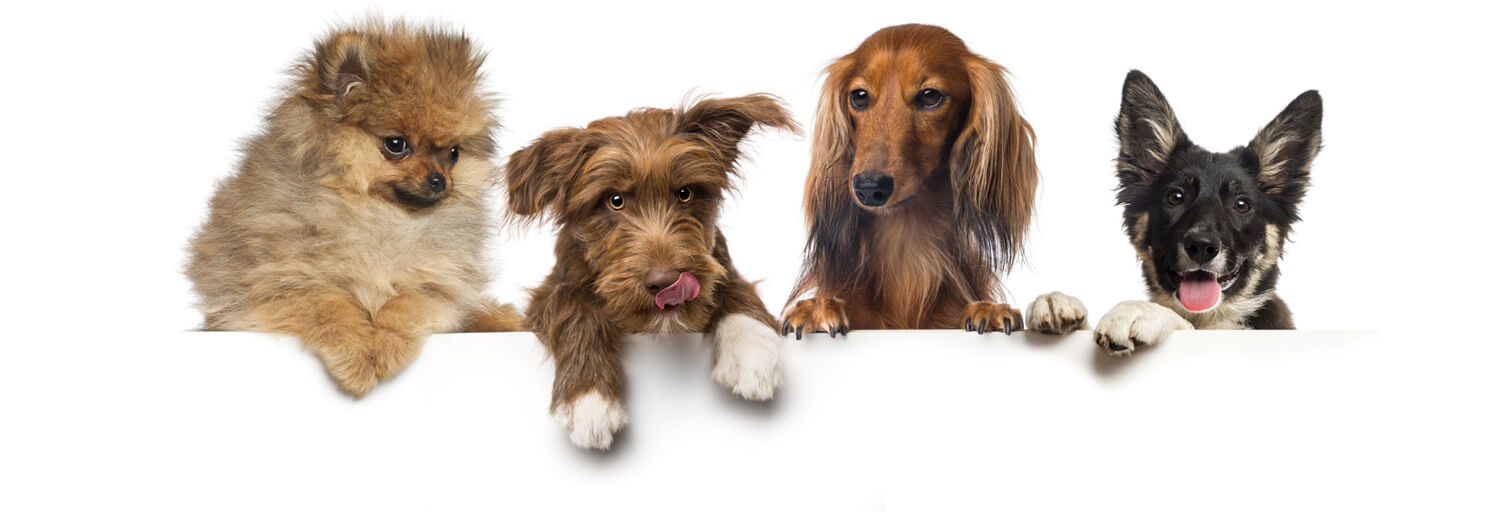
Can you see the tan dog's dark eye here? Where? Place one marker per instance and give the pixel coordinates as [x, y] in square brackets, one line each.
[455, 153]
[859, 99]
[396, 146]
[1175, 197]
[929, 98]
[616, 201]
[685, 194]
[1242, 205]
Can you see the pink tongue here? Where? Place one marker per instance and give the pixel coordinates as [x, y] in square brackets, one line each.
[1199, 291]
[686, 288]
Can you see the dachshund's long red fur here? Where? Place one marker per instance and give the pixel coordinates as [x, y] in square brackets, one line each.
[965, 179]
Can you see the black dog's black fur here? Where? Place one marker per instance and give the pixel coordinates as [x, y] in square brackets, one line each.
[1189, 210]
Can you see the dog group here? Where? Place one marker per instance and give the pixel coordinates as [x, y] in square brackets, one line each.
[358, 218]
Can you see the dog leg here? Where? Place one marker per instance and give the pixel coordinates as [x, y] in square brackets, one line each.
[1056, 313]
[1135, 324]
[983, 317]
[493, 317]
[816, 315]
[587, 397]
[402, 325]
[747, 350]
[339, 332]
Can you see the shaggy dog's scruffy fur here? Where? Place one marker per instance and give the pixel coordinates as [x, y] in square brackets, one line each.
[357, 220]
[636, 201]
[921, 189]
[1209, 228]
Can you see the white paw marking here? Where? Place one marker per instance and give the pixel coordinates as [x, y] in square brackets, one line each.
[748, 356]
[1056, 313]
[592, 420]
[1135, 324]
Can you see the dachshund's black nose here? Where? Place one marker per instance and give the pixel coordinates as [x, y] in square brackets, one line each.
[873, 189]
[436, 181]
[1201, 247]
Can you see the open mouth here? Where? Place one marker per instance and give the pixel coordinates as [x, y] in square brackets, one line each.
[1200, 291]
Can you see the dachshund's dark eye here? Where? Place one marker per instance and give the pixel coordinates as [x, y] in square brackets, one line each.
[930, 98]
[616, 201]
[859, 99]
[1175, 197]
[396, 146]
[1242, 205]
[685, 194]
[455, 153]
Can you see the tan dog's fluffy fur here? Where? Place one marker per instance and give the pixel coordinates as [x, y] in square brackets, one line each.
[326, 234]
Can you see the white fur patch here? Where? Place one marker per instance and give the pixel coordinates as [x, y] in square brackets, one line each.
[1056, 313]
[592, 420]
[1134, 324]
[748, 357]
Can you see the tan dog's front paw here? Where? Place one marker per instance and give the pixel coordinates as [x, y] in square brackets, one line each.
[816, 315]
[351, 366]
[591, 419]
[983, 317]
[1135, 324]
[1056, 313]
[391, 352]
[748, 357]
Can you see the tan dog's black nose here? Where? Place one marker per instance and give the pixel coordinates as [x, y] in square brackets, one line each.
[660, 277]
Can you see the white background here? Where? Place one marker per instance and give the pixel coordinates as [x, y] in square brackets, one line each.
[119, 119]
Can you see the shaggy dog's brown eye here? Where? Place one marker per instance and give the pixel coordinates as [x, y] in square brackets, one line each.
[1176, 197]
[1242, 205]
[929, 98]
[396, 146]
[685, 194]
[455, 153]
[616, 201]
[859, 99]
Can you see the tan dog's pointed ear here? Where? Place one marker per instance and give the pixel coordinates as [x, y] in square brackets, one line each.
[723, 122]
[342, 65]
[536, 176]
[994, 166]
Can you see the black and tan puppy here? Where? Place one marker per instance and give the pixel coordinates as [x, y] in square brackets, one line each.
[1208, 227]
[636, 201]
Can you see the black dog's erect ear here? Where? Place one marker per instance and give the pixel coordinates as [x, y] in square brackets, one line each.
[1148, 130]
[1284, 149]
[723, 122]
[342, 65]
[536, 176]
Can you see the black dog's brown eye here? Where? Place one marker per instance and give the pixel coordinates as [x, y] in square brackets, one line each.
[929, 98]
[1176, 197]
[1242, 205]
[455, 153]
[616, 201]
[859, 99]
[396, 146]
[685, 194]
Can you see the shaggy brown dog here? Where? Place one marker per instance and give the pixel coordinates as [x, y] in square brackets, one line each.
[921, 189]
[357, 220]
[636, 200]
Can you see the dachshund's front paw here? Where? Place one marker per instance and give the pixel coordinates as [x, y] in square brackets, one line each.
[983, 317]
[1135, 324]
[816, 315]
[1056, 313]
[592, 419]
[748, 357]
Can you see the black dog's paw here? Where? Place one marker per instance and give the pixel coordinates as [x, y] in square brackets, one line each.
[816, 315]
[1056, 313]
[1135, 324]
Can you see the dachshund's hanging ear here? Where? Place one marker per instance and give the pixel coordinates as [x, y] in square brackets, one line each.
[723, 122]
[1148, 130]
[1284, 149]
[833, 218]
[994, 166]
[537, 175]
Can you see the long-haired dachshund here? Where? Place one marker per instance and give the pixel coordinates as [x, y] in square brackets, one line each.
[921, 189]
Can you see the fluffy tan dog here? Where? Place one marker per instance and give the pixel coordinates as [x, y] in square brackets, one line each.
[357, 220]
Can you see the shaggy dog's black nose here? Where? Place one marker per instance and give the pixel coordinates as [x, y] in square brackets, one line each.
[436, 181]
[1201, 248]
[659, 278]
[873, 189]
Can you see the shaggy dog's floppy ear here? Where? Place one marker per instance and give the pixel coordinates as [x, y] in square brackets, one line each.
[994, 166]
[1282, 152]
[341, 65]
[536, 176]
[1148, 130]
[723, 122]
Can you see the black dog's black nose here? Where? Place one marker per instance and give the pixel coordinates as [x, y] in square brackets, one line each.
[436, 181]
[1201, 248]
[873, 189]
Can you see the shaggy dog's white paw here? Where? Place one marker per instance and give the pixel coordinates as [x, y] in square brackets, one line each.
[748, 356]
[1135, 324]
[592, 420]
[1056, 313]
